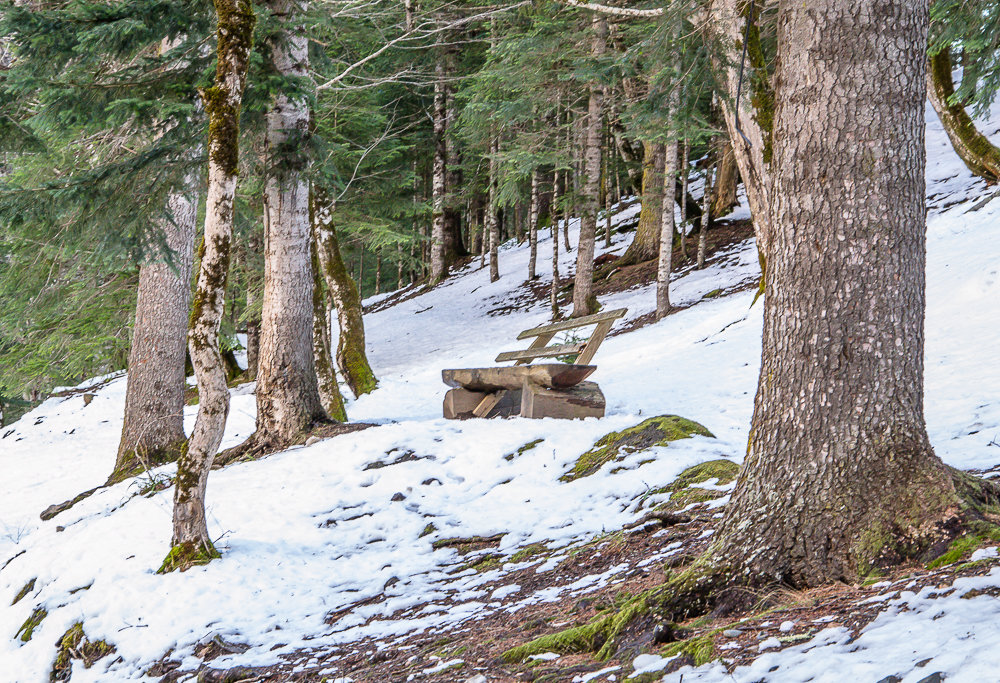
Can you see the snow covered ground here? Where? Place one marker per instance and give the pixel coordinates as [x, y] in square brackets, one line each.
[312, 531]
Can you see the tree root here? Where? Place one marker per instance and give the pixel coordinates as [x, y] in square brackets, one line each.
[186, 555]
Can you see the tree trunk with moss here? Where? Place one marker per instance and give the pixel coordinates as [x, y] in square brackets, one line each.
[755, 106]
[153, 430]
[646, 243]
[351, 357]
[584, 301]
[191, 542]
[326, 377]
[288, 401]
[839, 475]
[980, 155]
[439, 266]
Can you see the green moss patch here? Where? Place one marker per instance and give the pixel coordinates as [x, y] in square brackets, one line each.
[28, 587]
[186, 555]
[31, 623]
[523, 449]
[75, 645]
[656, 431]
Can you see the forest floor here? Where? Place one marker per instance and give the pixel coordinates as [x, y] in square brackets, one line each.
[422, 549]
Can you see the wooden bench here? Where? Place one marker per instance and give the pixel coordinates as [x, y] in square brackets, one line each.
[540, 390]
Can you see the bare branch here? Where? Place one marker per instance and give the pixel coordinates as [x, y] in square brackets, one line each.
[618, 11]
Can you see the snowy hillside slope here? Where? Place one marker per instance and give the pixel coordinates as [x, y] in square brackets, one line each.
[341, 527]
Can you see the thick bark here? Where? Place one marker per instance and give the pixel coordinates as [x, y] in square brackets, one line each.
[839, 473]
[288, 401]
[584, 301]
[153, 431]
[646, 243]
[979, 154]
[326, 377]
[665, 262]
[351, 357]
[439, 265]
[191, 542]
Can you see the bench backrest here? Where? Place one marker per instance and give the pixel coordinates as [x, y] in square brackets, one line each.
[543, 335]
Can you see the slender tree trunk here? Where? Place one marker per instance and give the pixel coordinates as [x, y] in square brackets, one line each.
[153, 431]
[607, 188]
[190, 541]
[558, 183]
[399, 265]
[706, 214]
[253, 293]
[326, 377]
[584, 302]
[665, 263]
[454, 246]
[439, 266]
[646, 242]
[378, 271]
[685, 170]
[979, 154]
[533, 214]
[839, 474]
[351, 357]
[492, 226]
[288, 401]
[569, 179]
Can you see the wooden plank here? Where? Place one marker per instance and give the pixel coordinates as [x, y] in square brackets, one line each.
[573, 323]
[600, 332]
[512, 377]
[488, 403]
[583, 400]
[546, 352]
[459, 403]
[540, 342]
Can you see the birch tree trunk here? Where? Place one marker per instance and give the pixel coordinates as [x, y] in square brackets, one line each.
[665, 262]
[439, 267]
[492, 226]
[584, 302]
[557, 213]
[685, 170]
[840, 475]
[533, 214]
[977, 152]
[706, 214]
[288, 401]
[190, 542]
[153, 430]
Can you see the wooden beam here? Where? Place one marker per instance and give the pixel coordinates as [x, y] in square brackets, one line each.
[600, 332]
[512, 377]
[573, 323]
[546, 352]
[540, 342]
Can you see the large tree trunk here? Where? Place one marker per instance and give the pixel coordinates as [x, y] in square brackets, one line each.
[646, 243]
[839, 473]
[439, 265]
[584, 301]
[454, 247]
[288, 401]
[153, 431]
[979, 154]
[351, 357]
[191, 543]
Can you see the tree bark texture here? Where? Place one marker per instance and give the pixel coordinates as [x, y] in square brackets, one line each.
[558, 183]
[492, 225]
[191, 542]
[975, 149]
[326, 376]
[665, 260]
[727, 178]
[646, 243]
[533, 215]
[454, 247]
[839, 473]
[351, 357]
[288, 401]
[439, 267]
[153, 430]
[706, 215]
[584, 301]
[685, 171]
